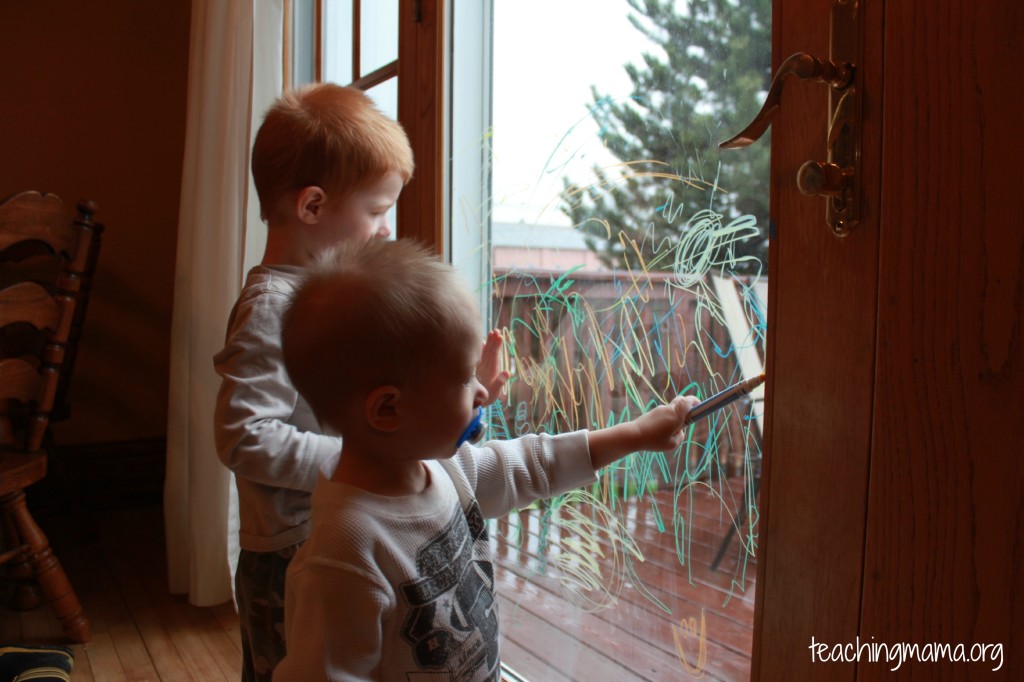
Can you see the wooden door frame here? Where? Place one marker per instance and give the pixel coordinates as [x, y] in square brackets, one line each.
[820, 366]
[421, 70]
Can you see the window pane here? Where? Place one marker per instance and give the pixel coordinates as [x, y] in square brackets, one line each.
[379, 35]
[385, 96]
[337, 37]
[303, 46]
[628, 265]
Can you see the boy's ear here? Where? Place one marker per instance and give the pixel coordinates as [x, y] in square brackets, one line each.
[382, 409]
[309, 204]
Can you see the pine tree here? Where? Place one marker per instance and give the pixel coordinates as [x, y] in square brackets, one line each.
[707, 86]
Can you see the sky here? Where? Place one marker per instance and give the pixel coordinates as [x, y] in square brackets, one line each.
[543, 70]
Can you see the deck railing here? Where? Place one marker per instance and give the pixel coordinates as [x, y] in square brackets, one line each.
[618, 579]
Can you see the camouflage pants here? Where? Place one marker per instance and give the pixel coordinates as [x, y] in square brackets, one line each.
[259, 591]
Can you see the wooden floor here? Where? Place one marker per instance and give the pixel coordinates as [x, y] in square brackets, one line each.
[691, 617]
[139, 630]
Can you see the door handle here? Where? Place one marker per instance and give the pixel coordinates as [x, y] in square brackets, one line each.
[804, 66]
[836, 178]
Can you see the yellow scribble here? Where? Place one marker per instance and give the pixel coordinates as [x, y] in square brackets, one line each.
[683, 633]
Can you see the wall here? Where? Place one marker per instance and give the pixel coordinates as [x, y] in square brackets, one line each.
[93, 106]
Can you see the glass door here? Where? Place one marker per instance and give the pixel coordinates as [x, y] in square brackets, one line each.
[625, 258]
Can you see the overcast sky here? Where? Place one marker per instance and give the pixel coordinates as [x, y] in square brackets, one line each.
[543, 70]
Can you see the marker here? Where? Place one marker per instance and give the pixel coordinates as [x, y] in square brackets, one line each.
[720, 400]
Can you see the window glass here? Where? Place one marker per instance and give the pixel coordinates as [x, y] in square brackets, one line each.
[378, 37]
[337, 39]
[625, 260]
[379, 30]
[385, 96]
[303, 54]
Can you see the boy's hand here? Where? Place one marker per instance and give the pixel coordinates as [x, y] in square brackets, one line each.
[659, 430]
[489, 372]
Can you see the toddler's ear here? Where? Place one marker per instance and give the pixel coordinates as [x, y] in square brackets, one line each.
[309, 203]
[381, 409]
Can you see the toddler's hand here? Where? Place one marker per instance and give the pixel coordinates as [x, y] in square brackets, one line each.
[489, 372]
[661, 429]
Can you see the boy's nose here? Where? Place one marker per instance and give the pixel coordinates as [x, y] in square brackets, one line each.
[384, 232]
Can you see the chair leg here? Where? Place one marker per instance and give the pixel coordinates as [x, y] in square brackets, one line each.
[26, 593]
[47, 570]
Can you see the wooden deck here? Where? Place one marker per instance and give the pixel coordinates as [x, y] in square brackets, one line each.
[692, 620]
[140, 632]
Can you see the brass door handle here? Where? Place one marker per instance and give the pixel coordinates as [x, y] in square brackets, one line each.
[836, 178]
[804, 66]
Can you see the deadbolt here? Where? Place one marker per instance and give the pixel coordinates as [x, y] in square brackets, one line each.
[816, 178]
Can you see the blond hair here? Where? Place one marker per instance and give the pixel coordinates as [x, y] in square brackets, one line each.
[371, 314]
[329, 136]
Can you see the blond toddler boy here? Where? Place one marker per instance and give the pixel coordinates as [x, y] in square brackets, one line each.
[396, 579]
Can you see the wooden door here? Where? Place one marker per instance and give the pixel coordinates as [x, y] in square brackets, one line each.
[893, 487]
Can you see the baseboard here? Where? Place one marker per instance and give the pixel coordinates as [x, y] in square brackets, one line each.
[101, 476]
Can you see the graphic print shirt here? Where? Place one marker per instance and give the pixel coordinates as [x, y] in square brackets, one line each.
[402, 588]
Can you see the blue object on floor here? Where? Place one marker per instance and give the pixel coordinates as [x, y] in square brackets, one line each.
[38, 663]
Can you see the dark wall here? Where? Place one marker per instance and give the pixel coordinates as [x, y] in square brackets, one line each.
[92, 105]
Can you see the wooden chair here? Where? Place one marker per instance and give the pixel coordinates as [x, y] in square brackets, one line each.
[25, 255]
[38, 310]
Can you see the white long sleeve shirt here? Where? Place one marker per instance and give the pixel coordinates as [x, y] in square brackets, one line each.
[402, 588]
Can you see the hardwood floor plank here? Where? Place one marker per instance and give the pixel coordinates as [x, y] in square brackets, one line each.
[158, 641]
[118, 622]
[103, 659]
[227, 616]
[111, 620]
[197, 635]
[81, 671]
[116, 651]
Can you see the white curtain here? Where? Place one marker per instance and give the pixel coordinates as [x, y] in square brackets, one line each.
[234, 73]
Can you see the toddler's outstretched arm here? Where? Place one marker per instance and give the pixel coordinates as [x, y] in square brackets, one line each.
[659, 430]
